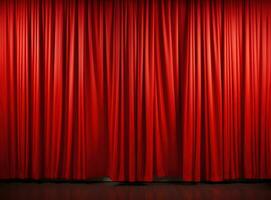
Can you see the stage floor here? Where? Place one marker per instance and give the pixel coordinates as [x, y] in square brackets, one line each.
[114, 191]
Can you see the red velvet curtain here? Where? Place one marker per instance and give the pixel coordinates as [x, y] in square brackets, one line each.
[135, 90]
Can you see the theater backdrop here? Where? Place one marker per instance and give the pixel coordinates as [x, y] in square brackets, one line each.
[135, 90]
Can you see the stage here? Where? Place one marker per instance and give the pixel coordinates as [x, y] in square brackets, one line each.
[138, 191]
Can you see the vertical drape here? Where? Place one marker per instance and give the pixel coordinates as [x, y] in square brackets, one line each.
[135, 90]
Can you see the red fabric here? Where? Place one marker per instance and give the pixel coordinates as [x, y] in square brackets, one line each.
[135, 90]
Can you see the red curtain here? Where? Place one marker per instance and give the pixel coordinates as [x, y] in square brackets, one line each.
[135, 90]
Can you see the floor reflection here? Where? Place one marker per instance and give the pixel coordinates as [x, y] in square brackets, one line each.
[115, 191]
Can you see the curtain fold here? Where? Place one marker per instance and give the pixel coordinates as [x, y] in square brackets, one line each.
[135, 90]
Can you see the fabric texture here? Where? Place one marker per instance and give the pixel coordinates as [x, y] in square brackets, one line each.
[135, 90]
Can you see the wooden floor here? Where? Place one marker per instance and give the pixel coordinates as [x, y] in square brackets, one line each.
[112, 191]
